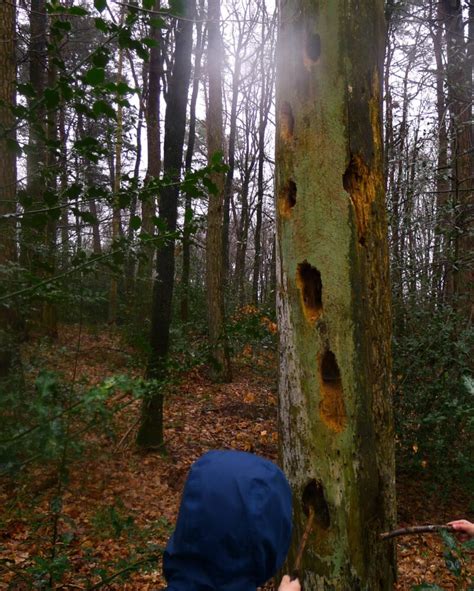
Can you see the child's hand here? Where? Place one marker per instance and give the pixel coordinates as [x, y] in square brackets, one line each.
[287, 585]
[464, 528]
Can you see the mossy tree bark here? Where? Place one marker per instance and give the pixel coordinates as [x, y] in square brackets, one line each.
[333, 297]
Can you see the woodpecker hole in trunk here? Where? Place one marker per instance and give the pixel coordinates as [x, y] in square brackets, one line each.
[312, 47]
[287, 198]
[287, 122]
[331, 407]
[308, 280]
[313, 496]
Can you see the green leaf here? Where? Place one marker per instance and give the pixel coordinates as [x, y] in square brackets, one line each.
[78, 11]
[74, 191]
[102, 107]
[52, 98]
[26, 90]
[135, 222]
[158, 23]
[122, 88]
[100, 5]
[13, 146]
[101, 25]
[101, 57]
[149, 42]
[95, 76]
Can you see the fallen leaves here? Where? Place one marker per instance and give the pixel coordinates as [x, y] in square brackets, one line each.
[119, 502]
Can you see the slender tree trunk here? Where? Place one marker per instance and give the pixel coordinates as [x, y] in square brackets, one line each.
[460, 87]
[113, 294]
[441, 247]
[188, 209]
[150, 434]
[152, 114]
[268, 80]
[229, 179]
[31, 237]
[337, 440]
[219, 351]
[8, 249]
[49, 310]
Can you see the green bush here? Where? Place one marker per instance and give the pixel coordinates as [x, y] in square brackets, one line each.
[433, 396]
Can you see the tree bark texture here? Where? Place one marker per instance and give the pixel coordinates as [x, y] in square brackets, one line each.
[150, 434]
[8, 252]
[7, 120]
[153, 124]
[219, 352]
[188, 207]
[460, 86]
[333, 295]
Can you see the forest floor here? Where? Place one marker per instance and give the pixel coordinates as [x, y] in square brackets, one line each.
[119, 505]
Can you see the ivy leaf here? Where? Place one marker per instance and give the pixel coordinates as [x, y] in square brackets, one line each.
[101, 57]
[78, 11]
[86, 216]
[51, 98]
[101, 107]
[100, 5]
[95, 76]
[135, 222]
[157, 23]
[101, 25]
[26, 90]
[149, 42]
[13, 146]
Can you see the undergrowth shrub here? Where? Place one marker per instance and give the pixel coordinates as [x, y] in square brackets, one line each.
[433, 398]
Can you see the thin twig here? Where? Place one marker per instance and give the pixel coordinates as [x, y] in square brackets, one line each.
[414, 530]
[304, 539]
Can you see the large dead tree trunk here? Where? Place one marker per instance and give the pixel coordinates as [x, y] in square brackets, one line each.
[337, 441]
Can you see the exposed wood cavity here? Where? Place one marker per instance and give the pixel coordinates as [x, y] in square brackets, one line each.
[314, 498]
[308, 281]
[287, 198]
[361, 184]
[331, 406]
[287, 122]
[312, 48]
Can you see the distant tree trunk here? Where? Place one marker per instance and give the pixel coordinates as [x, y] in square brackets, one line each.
[32, 238]
[150, 434]
[440, 279]
[188, 210]
[459, 69]
[113, 294]
[267, 81]
[8, 250]
[152, 114]
[229, 179]
[64, 223]
[335, 420]
[219, 351]
[49, 310]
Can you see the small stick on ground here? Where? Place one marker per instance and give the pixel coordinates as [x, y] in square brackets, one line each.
[414, 530]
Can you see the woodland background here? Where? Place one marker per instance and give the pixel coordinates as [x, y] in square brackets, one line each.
[126, 285]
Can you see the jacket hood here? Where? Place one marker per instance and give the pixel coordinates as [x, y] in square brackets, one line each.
[234, 525]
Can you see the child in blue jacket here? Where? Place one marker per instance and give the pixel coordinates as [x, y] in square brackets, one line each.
[234, 526]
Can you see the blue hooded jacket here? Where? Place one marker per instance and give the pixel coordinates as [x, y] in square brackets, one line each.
[234, 525]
